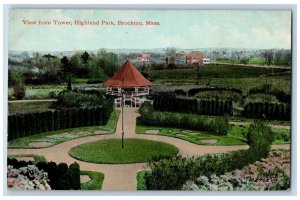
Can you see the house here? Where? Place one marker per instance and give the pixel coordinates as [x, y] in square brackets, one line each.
[206, 61]
[195, 57]
[144, 58]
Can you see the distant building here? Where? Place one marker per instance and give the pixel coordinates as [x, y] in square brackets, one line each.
[144, 58]
[180, 58]
[195, 57]
[206, 61]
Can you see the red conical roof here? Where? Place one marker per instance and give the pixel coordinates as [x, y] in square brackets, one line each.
[127, 76]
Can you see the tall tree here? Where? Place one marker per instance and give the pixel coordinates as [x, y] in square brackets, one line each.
[268, 55]
[85, 58]
[67, 70]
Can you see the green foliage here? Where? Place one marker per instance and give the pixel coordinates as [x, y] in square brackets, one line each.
[15, 78]
[171, 174]
[96, 180]
[140, 179]
[211, 71]
[192, 105]
[59, 136]
[73, 174]
[266, 110]
[61, 176]
[218, 125]
[110, 151]
[260, 138]
[74, 99]
[272, 89]
[21, 125]
[19, 92]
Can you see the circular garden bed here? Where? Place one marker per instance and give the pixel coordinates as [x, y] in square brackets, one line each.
[110, 151]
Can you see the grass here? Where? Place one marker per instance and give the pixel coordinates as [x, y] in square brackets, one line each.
[59, 136]
[281, 136]
[212, 71]
[110, 151]
[140, 180]
[37, 158]
[193, 136]
[28, 107]
[236, 135]
[95, 183]
[283, 82]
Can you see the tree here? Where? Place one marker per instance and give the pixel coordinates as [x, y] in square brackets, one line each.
[85, 58]
[268, 55]
[67, 70]
[66, 65]
[48, 56]
[14, 78]
[245, 61]
[108, 61]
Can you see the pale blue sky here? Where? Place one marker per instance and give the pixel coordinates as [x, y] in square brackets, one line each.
[180, 28]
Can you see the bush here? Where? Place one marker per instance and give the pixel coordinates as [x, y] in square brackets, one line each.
[61, 176]
[272, 90]
[15, 79]
[172, 173]
[19, 92]
[260, 138]
[76, 99]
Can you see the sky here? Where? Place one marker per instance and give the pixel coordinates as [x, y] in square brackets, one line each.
[185, 29]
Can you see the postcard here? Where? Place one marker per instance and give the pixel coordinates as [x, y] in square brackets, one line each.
[151, 100]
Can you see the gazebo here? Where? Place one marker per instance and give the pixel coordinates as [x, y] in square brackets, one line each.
[128, 83]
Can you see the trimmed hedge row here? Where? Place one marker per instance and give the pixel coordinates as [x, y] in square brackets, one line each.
[194, 91]
[22, 125]
[196, 106]
[278, 111]
[218, 125]
[61, 176]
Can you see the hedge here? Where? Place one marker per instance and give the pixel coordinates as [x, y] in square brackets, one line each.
[217, 125]
[275, 111]
[194, 91]
[61, 176]
[21, 125]
[192, 105]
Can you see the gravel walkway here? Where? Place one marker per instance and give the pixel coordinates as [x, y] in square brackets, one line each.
[123, 176]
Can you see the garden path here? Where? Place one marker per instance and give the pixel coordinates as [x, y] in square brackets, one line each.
[122, 176]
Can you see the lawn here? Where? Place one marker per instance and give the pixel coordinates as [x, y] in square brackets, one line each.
[28, 107]
[110, 151]
[95, 183]
[59, 136]
[211, 71]
[236, 135]
[193, 136]
[283, 82]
